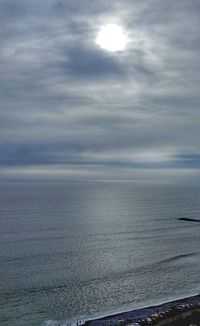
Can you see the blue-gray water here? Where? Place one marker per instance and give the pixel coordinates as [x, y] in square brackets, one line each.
[72, 251]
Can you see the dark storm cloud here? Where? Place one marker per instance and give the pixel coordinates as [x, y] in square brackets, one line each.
[70, 106]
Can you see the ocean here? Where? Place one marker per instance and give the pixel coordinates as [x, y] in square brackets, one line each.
[73, 251]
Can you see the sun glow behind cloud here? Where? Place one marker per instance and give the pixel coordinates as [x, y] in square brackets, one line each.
[112, 37]
[110, 85]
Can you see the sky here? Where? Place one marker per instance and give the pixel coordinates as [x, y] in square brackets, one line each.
[71, 110]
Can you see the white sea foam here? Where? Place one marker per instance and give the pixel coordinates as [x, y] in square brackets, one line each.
[52, 323]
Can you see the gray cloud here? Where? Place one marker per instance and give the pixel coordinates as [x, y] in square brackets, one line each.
[66, 102]
[88, 63]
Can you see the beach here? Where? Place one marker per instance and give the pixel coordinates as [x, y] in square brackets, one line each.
[168, 313]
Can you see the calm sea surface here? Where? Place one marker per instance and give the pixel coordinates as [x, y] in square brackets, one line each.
[73, 251]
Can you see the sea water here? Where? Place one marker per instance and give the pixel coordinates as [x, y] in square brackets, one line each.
[72, 251]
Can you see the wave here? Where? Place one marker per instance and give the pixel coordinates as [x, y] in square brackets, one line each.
[145, 269]
[51, 323]
[177, 257]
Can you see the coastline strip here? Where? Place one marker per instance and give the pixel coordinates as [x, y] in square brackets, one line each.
[141, 313]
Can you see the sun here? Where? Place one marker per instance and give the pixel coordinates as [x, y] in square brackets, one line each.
[112, 37]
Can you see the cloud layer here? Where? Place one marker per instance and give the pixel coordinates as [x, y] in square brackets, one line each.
[75, 110]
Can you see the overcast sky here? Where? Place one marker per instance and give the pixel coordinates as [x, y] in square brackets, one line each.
[70, 109]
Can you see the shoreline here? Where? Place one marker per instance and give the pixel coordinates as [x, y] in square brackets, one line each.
[142, 312]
